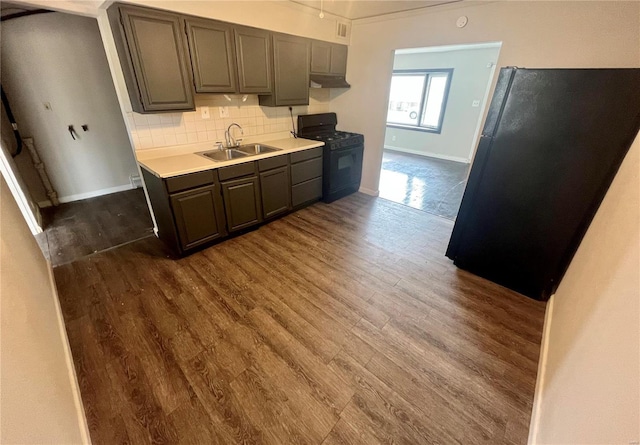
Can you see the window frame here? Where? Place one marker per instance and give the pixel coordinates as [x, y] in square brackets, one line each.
[425, 87]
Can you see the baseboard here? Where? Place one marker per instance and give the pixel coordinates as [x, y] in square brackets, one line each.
[542, 367]
[95, 193]
[367, 191]
[73, 378]
[427, 155]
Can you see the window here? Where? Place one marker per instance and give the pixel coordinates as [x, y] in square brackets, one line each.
[417, 99]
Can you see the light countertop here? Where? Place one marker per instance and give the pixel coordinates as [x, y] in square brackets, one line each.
[179, 160]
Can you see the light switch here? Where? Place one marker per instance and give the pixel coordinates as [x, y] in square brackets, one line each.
[475, 103]
[205, 112]
[224, 111]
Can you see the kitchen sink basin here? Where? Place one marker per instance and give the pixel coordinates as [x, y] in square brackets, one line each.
[256, 149]
[223, 155]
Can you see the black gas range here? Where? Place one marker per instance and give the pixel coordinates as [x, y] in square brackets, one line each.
[343, 152]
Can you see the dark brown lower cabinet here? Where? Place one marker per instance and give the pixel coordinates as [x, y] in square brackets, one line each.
[275, 188]
[195, 209]
[188, 209]
[198, 215]
[242, 202]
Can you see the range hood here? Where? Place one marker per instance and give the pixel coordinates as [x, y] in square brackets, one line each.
[324, 81]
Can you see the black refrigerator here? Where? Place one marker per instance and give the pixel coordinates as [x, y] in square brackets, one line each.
[552, 143]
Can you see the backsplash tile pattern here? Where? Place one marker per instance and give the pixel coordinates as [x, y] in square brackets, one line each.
[166, 129]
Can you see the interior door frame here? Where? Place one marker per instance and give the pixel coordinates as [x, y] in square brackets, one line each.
[9, 172]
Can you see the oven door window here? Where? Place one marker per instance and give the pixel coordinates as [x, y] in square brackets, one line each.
[346, 168]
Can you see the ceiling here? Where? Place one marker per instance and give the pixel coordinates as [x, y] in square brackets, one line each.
[8, 8]
[360, 9]
[348, 9]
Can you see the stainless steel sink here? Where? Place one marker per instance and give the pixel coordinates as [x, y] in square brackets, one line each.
[223, 155]
[256, 149]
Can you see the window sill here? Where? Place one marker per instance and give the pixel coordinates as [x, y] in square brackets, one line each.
[414, 128]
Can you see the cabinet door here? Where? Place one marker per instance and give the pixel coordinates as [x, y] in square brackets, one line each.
[242, 203]
[253, 52]
[276, 191]
[198, 216]
[338, 59]
[157, 52]
[320, 57]
[291, 70]
[212, 55]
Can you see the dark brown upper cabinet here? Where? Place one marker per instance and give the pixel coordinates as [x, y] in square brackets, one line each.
[253, 52]
[213, 57]
[328, 58]
[338, 59]
[154, 59]
[291, 57]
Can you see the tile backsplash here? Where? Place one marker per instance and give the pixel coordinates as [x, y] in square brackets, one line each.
[166, 129]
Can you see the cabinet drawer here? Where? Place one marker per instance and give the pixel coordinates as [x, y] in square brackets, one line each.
[306, 154]
[271, 163]
[306, 170]
[237, 171]
[192, 180]
[306, 191]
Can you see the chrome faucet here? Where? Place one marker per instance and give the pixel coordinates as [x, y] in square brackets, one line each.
[228, 137]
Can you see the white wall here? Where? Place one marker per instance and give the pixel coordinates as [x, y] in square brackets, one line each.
[59, 58]
[588, 389]
[589, 393]
[534, 35]
[39, 395]
[469, 82]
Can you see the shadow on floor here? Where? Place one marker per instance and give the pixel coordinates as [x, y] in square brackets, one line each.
[80, 228]
[428, 184]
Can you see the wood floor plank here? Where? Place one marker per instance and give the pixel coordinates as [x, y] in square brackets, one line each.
[373, 398]
[310, 291]
[341, 323]
[143, 415]
[214, 391]
[326, 386]
[332, 287]
[192, 417]
[463, 389]
[345, 433]
[265, 404]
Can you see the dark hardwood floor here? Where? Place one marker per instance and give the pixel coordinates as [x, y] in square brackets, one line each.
[80, 228]
[338, 324]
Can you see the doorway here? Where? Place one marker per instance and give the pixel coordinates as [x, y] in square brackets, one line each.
[77, 166]
[436, 103]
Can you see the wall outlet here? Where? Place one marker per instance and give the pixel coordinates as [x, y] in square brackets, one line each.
[224, 111]
[393, 138]
[475, 103]
[205, 112]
